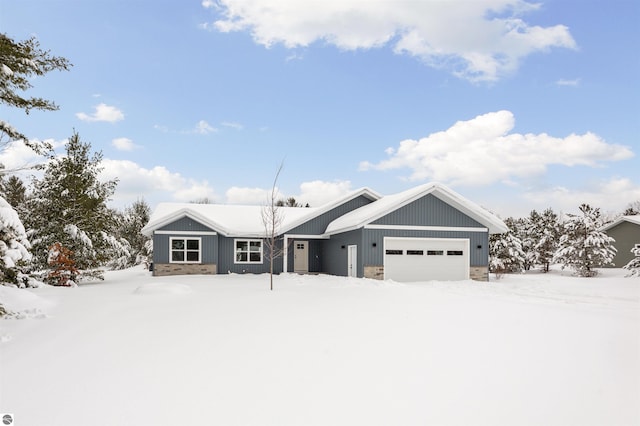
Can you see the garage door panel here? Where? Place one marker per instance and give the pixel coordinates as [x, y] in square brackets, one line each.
[424, 259]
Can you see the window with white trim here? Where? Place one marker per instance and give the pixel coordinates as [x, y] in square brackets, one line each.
[248, 251]
[184, 250]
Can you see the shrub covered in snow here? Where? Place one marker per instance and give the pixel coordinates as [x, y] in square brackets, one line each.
[583, 246]
[14, 245]
[634, 264]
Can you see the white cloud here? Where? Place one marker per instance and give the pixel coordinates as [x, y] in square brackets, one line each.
[477, 40]
[123, 144]
[611, 195]
[250, 196]
[233, 125]
[103, 112]
[573, 83]
[204, 128]
[315, 193]
[481, 151]
[318, 192]
[155, 184]
[161, 128]
[15, 155]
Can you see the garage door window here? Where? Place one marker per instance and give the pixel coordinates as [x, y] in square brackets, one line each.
[394, 252]
[435, 252]
[454, 252]
[415, 252]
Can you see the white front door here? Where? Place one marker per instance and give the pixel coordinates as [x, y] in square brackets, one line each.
[301, 256]
[352, 261]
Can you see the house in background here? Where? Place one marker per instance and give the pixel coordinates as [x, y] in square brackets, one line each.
[626, 231]
[425, 233]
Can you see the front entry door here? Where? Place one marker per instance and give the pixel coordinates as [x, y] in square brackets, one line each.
[301, 257]
[352, 261]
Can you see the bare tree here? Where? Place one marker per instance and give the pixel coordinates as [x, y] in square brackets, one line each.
[272, 218]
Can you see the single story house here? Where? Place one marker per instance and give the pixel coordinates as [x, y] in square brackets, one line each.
[425, 233]
[626, 231]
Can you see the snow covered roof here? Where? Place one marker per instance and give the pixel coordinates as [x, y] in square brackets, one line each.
[632, 219]
[241, 220]
[371, 212]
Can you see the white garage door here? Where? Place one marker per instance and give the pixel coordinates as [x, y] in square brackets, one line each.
[424, 259]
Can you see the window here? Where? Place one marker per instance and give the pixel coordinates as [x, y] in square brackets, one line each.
[184, 250]
[435, 253]
[393, 252]
[248, 251]
[415, 252]
[454, 252]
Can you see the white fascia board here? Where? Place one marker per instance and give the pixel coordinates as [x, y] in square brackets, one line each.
[618, 221]
[197, 233]
[333, 204]
[151, 227]
[427, 228]
[306, 237]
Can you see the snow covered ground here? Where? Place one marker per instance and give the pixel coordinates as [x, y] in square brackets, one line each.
[534, 349]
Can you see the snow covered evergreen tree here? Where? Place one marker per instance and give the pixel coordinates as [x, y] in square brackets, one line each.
[582, 246]
[14, 192]
[14, 246]
[546, 234]
[634, 264]
[18, 62]
[130, 223]
[69, 207]
[505, 250]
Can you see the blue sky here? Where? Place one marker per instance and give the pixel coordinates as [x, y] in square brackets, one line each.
[516, 105]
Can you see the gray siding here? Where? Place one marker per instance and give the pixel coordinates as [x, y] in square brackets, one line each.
[209, 247]
[186, 224]
[334, 261]
[428, 211]
[226, 260]
[315, 254]
[375, 256]
[318, 225]
[627, 235]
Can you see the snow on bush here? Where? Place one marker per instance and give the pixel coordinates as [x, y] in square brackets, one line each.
[583, 246]
[634, 264]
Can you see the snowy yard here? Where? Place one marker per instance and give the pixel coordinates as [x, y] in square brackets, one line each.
[534, 349]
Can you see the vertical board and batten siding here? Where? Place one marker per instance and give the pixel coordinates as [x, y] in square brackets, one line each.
[315, 254]
[318, 225]
[375, 255]
[209, 249]
[428, 211]
[334, 261]
[226, 259]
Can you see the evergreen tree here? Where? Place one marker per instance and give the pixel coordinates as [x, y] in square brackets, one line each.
[18, 62]
[634, 264]
[546, 230]
[582, 246]
[131, 222]
[632, 209]
[14, 245]
[14, 192]
[69, 208]
[505, 250]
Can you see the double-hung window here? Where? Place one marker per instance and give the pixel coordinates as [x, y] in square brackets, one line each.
[248, 251]
[185, 250]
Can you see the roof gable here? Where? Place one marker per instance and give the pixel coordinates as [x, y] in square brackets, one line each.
[376, 210]
[631, 219]
[241, 220]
